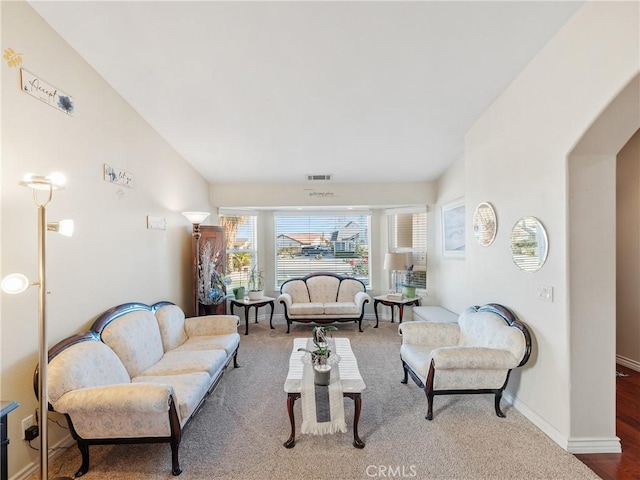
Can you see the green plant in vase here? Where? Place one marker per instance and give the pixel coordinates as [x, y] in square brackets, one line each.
[321, 354]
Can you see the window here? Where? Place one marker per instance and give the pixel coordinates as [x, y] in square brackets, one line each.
[408, 234]
[328, 242]
[240, 237]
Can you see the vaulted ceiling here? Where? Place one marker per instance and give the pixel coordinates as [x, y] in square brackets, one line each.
[272, 91]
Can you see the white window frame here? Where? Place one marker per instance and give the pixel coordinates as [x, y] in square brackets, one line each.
[241, 277]
[417, 253]
[355, 269]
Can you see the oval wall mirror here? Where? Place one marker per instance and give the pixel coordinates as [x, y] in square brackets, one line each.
[485, 224]
[529, 244]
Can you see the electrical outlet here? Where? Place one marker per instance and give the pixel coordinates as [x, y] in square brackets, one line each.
[26, 423]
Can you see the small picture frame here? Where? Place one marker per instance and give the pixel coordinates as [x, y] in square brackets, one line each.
[453, 229]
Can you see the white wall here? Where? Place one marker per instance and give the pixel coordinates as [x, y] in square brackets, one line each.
[516, 158]
[112, 257]
[628, 254]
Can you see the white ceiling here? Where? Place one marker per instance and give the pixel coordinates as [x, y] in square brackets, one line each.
[271, 91]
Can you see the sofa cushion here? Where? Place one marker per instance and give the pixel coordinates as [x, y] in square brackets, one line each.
[171, 323]
[84, 365]
[486, 329]
[189, 388]
[298, 291]
[323, 288]
[228, 343]
[341, 308]
[135, 337]
[418, 357]
[307, 308]
[348, 290]
[185, 361]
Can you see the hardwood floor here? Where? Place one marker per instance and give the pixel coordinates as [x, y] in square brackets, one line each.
[625, 465]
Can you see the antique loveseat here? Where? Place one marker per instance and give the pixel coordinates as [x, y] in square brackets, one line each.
[139, 375]
[323, 297]
[475, 355]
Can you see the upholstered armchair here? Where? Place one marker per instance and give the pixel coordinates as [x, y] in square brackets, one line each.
[475, 355]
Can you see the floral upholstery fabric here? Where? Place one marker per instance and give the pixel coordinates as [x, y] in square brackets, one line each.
[185, 361]
[473, 357]
[469, 379]
[484, 329]
[476, 353]
[323, 296]
[315, 308]
[323, 289]
[84, 365]
[297, 289]
[189, 388]
[125, 410]
[135, 337]
[121, 387]
[171, 323]
[429, 333]
[228, 343]
[211, 325]
[341, 308]
[348, 290]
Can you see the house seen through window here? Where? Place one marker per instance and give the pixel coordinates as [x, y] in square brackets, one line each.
[242, 254]
[324, 242]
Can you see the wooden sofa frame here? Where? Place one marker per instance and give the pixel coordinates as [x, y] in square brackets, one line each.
[176, 431]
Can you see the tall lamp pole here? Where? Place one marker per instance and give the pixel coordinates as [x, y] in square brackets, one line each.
[16, 283]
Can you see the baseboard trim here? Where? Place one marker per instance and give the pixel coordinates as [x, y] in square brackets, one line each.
[594, 445]
[571, 445]
[627, 362]
[54, 451]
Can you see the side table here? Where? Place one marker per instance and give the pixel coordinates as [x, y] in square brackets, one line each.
[383, 299]
[256, 304]
[5, 409]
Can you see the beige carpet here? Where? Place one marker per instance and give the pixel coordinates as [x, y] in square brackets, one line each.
[239, 432]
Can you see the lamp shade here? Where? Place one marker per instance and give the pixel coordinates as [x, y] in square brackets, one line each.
[196, 217]
[395, 261]
[63, 227]
[14, 283]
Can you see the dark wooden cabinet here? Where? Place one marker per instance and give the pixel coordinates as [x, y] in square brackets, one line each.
[209, 264]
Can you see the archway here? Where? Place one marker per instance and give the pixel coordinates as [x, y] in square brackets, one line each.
[591, 269]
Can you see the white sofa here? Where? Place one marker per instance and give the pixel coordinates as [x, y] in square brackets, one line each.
[323, 297]
[475, 355]
[139, 375]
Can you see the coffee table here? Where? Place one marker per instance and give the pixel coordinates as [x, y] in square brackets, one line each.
[352, 383]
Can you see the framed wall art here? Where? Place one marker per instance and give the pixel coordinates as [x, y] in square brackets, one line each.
[453, 233]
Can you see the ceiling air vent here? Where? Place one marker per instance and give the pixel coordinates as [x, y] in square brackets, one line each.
[319, 178]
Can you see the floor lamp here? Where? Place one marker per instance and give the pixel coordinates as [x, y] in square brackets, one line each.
[196, 218]
[17, 283]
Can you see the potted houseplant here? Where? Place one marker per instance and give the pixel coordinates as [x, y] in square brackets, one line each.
[256, 284]
[410, 283]
[320, 356]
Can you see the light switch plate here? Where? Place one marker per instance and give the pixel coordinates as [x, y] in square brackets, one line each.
[545, 292]
[156, 223]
